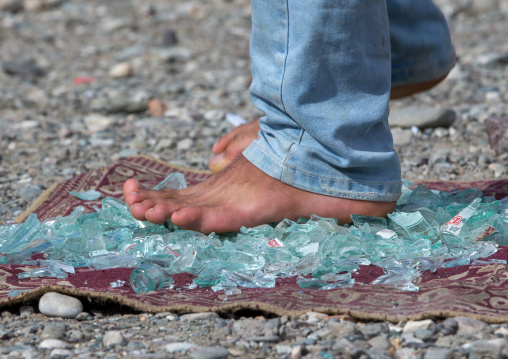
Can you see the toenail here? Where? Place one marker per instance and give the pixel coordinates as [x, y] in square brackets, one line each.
[151, 210]
[218, 158]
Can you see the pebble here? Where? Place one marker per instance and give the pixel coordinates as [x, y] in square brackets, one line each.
[25, 311]
[209, 353]
[113, 338]
[59, 305]
[29, 192]
[185, 144]
[95, 122]
[179, 347]
[54, 344]
[54, 331]
[121, 70]
[12, 6]
[467, 325]
[198, 316]
[412, 326]
[422, 117]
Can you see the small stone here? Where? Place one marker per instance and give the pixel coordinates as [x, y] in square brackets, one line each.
[407, 353]
[380, 341]
[65, 132]
[497, 131]
[82, 316]
[112, 25]
[59, 353]
[412, 326]
[264, 339]
[163, 144]
[113, 338]
[314, 317]
[499, 169]
[199, 316]
[185, 144]
[210, 353]
[24, 69]
[128, 152]
[179, 347]
[169, 38]
[157, 108]
[39, 5]
[29, 192]
[438, 353]
[121, 70]
[401, 137]
[95, 122]
[54, 331]
[421, 117]
[54, 344]
[341, 329]
[172, 54]
[58, 305]
[501, 331]
[440, 132]
[487, 348]
[12, 6]
[25, 311]
[449, 326]
[469, 326]
[424, 334]
[249, 328]
[296, 352]
[75, 334]
[283, 349]
[373, 329]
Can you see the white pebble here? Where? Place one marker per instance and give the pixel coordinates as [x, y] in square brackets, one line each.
[58, 305]
[121, 70]
[113, 338]
[54, 344]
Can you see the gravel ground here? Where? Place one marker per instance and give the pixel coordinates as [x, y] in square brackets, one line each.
[75, 81]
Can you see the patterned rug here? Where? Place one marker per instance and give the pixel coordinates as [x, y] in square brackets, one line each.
[480, 292]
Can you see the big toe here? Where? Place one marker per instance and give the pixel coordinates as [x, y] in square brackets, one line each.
[130, 190]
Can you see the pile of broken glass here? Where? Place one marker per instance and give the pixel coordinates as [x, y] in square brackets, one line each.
[429, 229]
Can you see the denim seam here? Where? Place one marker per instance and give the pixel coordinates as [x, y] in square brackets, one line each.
[310, 174]
[286, 57]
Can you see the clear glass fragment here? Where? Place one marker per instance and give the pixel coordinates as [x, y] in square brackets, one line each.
[90, 195]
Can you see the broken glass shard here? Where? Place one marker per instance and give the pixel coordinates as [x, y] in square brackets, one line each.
[90, 195]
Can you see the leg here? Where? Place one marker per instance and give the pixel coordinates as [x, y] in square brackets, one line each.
[421, 56]
[321, 73]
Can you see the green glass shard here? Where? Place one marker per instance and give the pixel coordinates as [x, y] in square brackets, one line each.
[90, 195]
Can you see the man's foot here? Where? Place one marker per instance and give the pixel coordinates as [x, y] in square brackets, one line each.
[240, 195]
[232, 144]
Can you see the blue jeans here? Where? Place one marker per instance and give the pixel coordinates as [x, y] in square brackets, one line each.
[322, 72]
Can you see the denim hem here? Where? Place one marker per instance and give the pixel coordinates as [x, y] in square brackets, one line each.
[339, 186]
[423, 71]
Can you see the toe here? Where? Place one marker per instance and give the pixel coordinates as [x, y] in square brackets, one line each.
[159, 213]
[139, 209]
[130, 191]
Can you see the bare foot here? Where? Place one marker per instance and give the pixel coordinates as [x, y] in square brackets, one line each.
[240, 195]
[232, 144]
